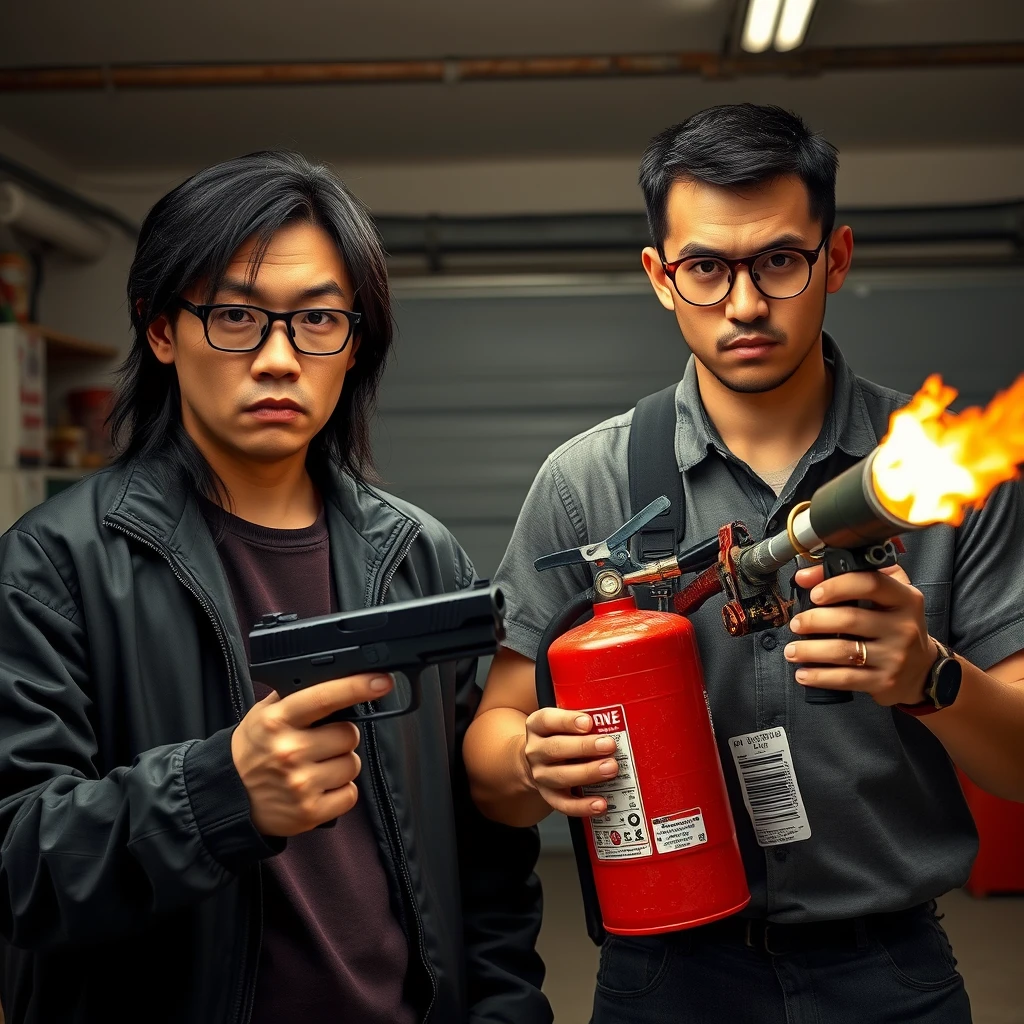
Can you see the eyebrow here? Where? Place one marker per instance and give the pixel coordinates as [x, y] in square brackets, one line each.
[317, 291]
[698, 249]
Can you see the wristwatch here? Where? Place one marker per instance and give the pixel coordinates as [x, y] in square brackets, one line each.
[941, 686]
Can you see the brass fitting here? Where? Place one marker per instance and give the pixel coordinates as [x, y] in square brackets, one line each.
[654, 572]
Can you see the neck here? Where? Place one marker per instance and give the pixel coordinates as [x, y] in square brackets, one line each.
[279, 495]
[771, 429]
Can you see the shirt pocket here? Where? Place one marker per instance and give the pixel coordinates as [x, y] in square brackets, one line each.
[936, 608]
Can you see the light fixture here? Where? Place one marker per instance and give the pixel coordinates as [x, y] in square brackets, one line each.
[760, 24]
[785, 21]
[793, 24]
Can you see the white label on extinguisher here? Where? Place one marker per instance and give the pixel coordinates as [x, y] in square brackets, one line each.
[770, 791]
[621, 832]
[679, 831]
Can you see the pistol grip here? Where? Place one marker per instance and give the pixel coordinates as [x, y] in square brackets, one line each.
[816, 694]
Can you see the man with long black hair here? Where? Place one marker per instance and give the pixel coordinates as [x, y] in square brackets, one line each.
[841, 927]
[161, 859]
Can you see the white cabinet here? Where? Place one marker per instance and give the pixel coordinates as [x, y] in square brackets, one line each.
[26, 352]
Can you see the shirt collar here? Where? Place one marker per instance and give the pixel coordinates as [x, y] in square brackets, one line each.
[847, 425]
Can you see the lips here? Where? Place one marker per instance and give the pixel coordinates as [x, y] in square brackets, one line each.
[755, 342]
[275, 403]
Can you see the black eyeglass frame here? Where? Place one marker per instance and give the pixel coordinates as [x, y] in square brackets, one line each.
[810, 255]
[203, 313]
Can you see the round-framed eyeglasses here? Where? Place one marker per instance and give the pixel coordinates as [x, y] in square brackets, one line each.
[780, 273]
[234, 327]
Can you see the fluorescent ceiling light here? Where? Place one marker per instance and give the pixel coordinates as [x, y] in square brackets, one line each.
[760, 25]
[793, 24]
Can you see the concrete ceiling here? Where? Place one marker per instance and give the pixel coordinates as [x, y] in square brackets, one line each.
[97, 132]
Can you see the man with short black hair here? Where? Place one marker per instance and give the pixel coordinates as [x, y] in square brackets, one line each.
[841, 925]
[161, 859]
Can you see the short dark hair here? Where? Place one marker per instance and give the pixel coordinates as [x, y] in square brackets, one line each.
[737, 145]
[188, 238]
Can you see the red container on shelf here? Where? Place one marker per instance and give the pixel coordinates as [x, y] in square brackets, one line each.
[89, 408]
[1000, 863]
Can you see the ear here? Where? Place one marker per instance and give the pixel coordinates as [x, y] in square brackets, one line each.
[353, 349]
[840, 256]
[160, 336]
[662, 286]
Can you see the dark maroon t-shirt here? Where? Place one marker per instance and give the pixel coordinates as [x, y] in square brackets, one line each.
[332, 947]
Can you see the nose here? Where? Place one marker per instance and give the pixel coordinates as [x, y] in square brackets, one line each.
[276, 357]
[745, 303]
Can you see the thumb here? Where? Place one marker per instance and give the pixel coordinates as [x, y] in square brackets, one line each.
[897, 573]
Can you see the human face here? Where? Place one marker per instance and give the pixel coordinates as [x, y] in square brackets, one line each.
[263, 406]
[749, 342]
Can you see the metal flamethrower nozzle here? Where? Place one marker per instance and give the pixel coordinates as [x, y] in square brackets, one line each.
[844, 513]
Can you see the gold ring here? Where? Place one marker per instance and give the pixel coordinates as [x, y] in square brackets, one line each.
[860, 658]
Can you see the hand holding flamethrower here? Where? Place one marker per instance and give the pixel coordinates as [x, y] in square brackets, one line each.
[638, 676]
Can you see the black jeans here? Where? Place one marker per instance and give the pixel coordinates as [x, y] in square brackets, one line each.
[895, 971]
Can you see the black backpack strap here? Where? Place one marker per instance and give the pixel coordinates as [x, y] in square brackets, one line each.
[653, 471]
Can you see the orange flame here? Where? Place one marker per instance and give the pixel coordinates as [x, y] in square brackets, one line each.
[933, 464]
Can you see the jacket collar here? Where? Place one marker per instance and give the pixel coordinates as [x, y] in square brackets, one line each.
[847, 424]
[367, 531]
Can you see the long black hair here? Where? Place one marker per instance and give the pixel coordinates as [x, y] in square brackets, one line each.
[188, 238]
[735, 145]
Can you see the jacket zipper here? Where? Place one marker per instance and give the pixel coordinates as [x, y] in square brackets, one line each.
[387, 805]
[381, 792]
[237, 701]
[235, 690]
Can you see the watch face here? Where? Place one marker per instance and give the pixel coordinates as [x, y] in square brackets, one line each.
[947, 681]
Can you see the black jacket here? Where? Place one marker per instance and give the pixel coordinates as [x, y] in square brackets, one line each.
[129, 867]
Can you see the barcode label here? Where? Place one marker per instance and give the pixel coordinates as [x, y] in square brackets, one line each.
[770, 790]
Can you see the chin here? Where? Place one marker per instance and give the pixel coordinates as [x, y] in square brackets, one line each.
[273, 449]
[753, 380]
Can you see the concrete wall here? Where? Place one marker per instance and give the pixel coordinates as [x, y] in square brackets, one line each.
[89, 300]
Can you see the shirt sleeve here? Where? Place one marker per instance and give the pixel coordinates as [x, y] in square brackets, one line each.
[987, 600]
[549, 521]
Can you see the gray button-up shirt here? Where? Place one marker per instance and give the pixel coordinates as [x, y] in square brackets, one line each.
[890, 827]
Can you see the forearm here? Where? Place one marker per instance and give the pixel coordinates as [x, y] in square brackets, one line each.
[982, 731]
[499, 782]
[157, 836]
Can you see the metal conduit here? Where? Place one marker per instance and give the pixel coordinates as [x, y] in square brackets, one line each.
[708, 64]
[440, 235]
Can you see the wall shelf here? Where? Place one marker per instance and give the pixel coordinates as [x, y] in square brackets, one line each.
[61, 346]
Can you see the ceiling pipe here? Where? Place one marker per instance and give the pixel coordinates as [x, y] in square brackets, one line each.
[707, 64]
[989, 222]
[65, 197]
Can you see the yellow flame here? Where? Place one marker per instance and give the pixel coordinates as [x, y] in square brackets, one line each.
[933, 464]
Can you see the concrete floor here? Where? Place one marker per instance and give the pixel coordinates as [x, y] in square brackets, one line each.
[987, 937]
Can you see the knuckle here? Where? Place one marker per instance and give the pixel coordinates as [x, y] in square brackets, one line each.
[297, 783]
[287, 752]
[274, 720]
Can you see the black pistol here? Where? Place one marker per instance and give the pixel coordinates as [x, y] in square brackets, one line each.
[288, 653]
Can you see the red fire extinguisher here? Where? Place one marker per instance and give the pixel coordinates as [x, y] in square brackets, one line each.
[664, 856]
